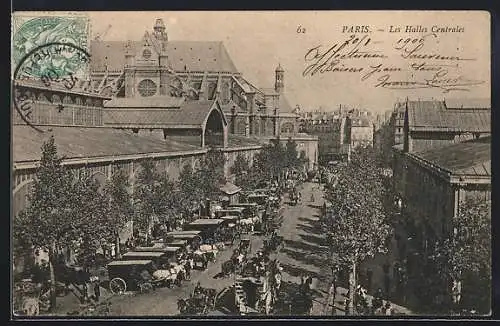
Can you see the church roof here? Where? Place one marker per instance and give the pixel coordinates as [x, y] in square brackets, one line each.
[199, 56]
[148, 102]
[284, 105]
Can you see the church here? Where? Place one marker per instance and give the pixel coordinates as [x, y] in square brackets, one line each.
[170, 74]
[153, 98]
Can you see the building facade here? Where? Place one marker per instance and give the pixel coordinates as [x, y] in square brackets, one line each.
[444, 159]
[361, 132]
[433, 183]
[383, 137]
[199, 71]
[151, 100]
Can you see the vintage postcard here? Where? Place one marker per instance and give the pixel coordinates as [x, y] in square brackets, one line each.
[251, 163]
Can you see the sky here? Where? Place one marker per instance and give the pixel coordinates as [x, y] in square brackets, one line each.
[258, 41]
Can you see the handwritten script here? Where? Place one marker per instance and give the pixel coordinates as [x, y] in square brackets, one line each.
[400, 62]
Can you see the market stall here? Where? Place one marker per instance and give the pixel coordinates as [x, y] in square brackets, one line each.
[208, 227]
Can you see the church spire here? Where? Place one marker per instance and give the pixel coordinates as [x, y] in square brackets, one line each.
[279, 81]
[159, 30]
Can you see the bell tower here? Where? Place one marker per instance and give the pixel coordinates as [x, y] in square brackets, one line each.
[279, 81]
[159, 30]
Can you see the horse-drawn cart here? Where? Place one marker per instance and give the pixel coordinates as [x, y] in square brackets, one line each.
[200, 302]
[126, 275]
[142, 275]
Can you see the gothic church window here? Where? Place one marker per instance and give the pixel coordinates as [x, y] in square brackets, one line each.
[287, 128]
[146, 54]
[146, 87]
[211, 90]
[225, 93]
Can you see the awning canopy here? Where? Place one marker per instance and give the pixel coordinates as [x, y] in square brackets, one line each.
[230, 189]
[207, 221]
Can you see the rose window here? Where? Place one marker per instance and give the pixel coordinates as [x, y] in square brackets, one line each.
[147, 87]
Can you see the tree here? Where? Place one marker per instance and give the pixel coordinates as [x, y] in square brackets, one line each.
[356, 228]
[291, 155]
[465, 255]
[121, 209]
[90, 211]
[148, 200]
[190, 189]
[240, 166]
[245, 176]
[59, 211]
[270, 161]
[211, 173]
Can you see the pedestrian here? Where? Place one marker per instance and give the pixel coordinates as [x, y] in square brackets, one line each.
[395, 269]
[97, 290]
[187, 268]
[308, 282]
[346, 306]
[113, 251]
[386, 267]
[312, 198]
[377, 300]
[398, 241]
[333, 293]
[369, 277]
[388, 309]
[86, 290]
[387, 285]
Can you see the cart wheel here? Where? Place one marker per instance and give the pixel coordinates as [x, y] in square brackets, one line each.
[117, 286]
[146, 287]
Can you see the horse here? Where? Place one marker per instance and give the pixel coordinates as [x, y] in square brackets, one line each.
[302, 305]
[209, 296]
[31, 306]
[184, 307]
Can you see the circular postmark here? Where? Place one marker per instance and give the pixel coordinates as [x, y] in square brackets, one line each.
[24, 76]
[40, 31]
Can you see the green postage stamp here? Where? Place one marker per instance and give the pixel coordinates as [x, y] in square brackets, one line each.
[36, 31]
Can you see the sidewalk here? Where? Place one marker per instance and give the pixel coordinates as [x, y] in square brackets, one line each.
[70, 304]
[376, 265]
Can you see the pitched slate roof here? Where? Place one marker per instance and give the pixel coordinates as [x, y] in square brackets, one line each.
[145, 102]
[74, 142]
[195, 55]
[284, 105]
[78, 89]
[434, 116]
[188, 114]
[471, 157]
[247, 86]
[469, 103]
